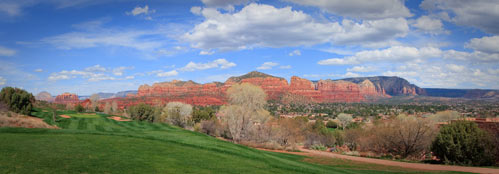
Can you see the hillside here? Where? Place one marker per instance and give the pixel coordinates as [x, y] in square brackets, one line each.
[89, 143]
[392, 85]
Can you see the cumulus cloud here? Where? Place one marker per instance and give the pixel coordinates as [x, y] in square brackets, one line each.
[206, 52]
[482, 14]
[295, 53]
[119, 71]
[362, 69]
[3, 81]
[219, 63]
[484, 44]
[361, 9]
[267, 65]
[445, 75]
[6, 51]
[225, 4]
[259, 25]
[429, 25]
[395, 53]
[92, 74]
[141, 10]
[167, 74]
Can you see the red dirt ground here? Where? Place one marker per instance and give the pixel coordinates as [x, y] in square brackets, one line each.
[118, 118]
[65, 116]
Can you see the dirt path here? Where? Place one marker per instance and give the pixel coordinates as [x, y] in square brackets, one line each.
[404, 164]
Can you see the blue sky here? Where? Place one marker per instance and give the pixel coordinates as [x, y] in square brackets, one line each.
[84, 46]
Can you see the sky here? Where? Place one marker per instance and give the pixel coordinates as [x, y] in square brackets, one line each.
[87, 46]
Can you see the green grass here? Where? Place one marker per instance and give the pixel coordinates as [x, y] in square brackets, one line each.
[101, 145]
[83, 115]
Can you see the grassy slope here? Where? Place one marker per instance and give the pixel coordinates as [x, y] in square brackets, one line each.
[101, 145]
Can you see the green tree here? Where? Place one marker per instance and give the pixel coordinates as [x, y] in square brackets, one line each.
[462, 142]
[331, 124]
[18, 100]
[144, 112]
[79, 108]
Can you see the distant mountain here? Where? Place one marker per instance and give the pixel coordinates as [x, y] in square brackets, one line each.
[463, 93]
[391, 85]
[124, 93]
[44, 96]
[104, 95]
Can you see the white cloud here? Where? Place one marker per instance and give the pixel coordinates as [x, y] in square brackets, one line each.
[39, 70]
[119, 71]
[429, 25]
[167, 74]
[92, 74]
[396, 53]
[6, 51]
[206, 52]
[482, 14]
[362, 69]
[225, 4]
[484, 44]
[259, 25]
[95, 68]
[295, 53]
[285, 67]
[267, 65]
[3, 81]
[196, 10]
[362, 9]
[11, 9]
[141, 10]
[219, 63]
[445, 75]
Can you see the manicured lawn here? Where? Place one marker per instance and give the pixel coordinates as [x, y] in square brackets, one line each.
[101, 145]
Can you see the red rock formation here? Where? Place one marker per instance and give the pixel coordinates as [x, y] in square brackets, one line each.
[66, 98]
[304, 87]
[339, 91]
[275, 87]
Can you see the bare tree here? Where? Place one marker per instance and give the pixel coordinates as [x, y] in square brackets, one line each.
[344, 119]
[245, 110]
[94, 101]
[107, 108]
[177, 113]
[114, 107]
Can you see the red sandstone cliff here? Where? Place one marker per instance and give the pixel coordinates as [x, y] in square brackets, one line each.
[275, 88]
[66, 98]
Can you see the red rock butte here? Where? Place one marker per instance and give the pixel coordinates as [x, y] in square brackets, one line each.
[67, 98]
[327, 91]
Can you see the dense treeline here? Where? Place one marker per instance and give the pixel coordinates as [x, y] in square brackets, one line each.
[17, 100]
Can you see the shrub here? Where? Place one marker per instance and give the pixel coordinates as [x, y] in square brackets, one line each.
[17, 100]
[178, 114]
[143, 112]
[79, 108]
[331, 124]
[319, 147]
[462, 142]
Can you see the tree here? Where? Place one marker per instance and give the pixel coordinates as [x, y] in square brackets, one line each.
[94, 102]
[245, 110]
[344, 119]
[331, 124]
[18, 100]
[114, 107]
[107, 108]
[462, 142]
[143, 112]
[178, 114]
[79, 108]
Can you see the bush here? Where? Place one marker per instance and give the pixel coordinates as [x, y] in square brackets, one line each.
[18, 100]
[462, 142]
[178, 114]
[319, 147]
[331, 124]
[144, 112]
[79, 108]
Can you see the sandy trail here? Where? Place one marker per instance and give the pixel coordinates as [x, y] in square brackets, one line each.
[118, 118]
[401, 164]
[65, 116]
